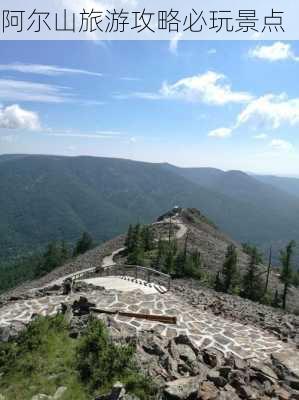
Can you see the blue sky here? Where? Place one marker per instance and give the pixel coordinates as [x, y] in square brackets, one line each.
[231, 105]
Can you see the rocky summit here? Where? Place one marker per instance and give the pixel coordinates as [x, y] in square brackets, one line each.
[189, 341]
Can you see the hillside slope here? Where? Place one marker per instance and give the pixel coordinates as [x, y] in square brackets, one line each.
[47, 198]
[289, 185]
[276, 202]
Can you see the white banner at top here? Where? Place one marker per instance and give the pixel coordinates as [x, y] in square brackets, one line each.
[149, 20]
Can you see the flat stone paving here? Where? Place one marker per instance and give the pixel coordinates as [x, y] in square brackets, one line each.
[203, 327]
[123, 284]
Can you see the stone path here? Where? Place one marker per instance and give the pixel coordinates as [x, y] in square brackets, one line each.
[109, 260]
[123, 284]
[203, 327]
[182, 229]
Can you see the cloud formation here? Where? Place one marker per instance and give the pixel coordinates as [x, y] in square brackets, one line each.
[49, 70]
[272, 110]
[174, 42]
[15, 117]
[276, 52]
[210, 88]
[15, 90]
[221, 133]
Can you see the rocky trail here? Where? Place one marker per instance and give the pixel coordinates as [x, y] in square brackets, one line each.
[206, 320]
[203, 327]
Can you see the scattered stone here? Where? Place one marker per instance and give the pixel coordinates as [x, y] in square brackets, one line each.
[59, 392]
[213, 357]
[12, 331]
[181, 389]
[286, 364]
[215, 377]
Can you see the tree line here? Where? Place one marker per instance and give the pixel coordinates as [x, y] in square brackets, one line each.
[165, 255]
[162, 254]
[39, 264]
[252, 284]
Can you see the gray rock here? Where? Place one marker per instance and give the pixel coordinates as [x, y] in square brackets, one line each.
[12, 331]
[249, 393]
[59, 392]
[208, 391]
[215, 377]
[212, 357]
[41, 397]
[263, 372]
[182, 389]
[286, 364]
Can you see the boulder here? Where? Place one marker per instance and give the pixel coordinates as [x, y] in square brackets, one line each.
[181, 389]
[11, 331]
[263, 372]
[208, 391]
[212, 357]
[215, 377]
[286, 364]
[59, 392]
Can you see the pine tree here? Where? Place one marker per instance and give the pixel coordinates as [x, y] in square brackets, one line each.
[129, 242]
[84, 244]
[148, 238]
[136, 254]
[235, 287]
[194, 265]
[218, 285]
[287, 272]
[230, 268]
[252, 284]
[169, 265]
[51, 257]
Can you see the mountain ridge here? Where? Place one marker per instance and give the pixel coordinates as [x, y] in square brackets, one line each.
[55, 197]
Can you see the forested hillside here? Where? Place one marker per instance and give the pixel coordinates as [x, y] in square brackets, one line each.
[45, 198]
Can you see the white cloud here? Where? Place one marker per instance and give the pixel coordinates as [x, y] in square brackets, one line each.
[173, 44]
[276, 52]
[49, 70]
[281, 145]
[85, 135]
[209, 88]
[272, 110]
[221, 133]
[18, 91]
[15, 117]
[261, 136]
[15, 90]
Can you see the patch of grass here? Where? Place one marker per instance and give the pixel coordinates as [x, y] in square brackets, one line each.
[39, 362]
[101, 363]
[44, 358]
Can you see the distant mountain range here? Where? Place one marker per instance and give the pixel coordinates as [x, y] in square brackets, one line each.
[45, 198]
